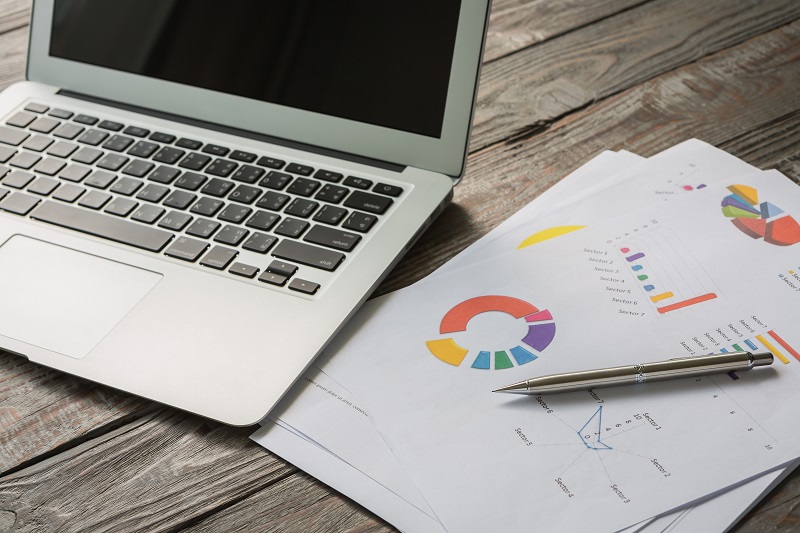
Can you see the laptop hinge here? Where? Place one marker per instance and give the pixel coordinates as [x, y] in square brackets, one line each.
[394, 167]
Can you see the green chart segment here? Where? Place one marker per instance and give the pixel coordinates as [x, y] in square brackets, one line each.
[540, 333]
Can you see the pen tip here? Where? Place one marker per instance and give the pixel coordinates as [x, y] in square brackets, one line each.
[518, 388]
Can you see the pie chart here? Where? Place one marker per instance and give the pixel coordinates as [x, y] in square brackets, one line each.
[759, 220]
[541, 329]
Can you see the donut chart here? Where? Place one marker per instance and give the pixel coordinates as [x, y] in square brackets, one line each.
[541, 329]
[759, 220]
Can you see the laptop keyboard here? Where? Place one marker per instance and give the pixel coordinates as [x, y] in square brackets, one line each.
[192, 201]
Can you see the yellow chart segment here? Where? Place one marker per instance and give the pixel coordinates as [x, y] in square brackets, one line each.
[549, 233]
[772, 349]
[447, 350]
[749, 194]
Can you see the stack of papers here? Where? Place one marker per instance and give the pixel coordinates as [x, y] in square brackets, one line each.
[627, 260]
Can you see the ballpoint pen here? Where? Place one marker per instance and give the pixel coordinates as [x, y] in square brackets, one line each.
[641, 373]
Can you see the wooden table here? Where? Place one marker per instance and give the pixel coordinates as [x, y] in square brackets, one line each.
[561, 82]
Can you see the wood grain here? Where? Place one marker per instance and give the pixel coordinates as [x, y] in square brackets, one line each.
[14, 14]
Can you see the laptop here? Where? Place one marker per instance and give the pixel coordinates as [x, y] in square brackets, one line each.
[196, 195]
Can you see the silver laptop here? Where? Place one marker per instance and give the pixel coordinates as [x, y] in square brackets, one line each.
[196, 195]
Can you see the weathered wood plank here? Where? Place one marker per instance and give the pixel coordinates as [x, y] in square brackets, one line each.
[13, 50]
[14, 14]
[297, 503]
[528, 90]
[778, 511]
[153, 474]
[715, 99]
[518, 24]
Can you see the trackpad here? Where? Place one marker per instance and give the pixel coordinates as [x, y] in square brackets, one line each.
[64, 300]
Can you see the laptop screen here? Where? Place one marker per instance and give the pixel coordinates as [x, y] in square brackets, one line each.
[381, 63]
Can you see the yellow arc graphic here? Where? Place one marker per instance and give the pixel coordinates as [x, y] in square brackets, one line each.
[549, 233]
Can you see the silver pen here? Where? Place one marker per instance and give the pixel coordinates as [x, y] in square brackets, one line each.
[684, 367]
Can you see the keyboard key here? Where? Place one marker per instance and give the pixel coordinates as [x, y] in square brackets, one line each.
[100, 179]
[234, 213]
[217, 187]
[202, 227]
[85, 119]
[6, 153]
[358, 183]
[93, 137]
[75, 173]
[207, 206]
[262, 220]
[219, 257]
[43, 186]
[303, 170]
[115, 229]
[329, 214]
[371, 203]
[303, 187]
[69, 193]
[191, 181]
[126, 186]
[259, 242]
[327, 175]
[153, 193]
[194, 161]
[68, 131]
[247, 157]
[49, 166]
[18, 203]
[38, 143]
[186, 249]
[143, 149]
[148, 213]
[121, 207]
[332, 238]
[360, 222]
[241, 269]
[221, 167]
[175, 220]
[332, 194]
[284, 269]
[231, 235]
[62, 149]
[273, 279]
[217, 150]
[301, 285]
[301, 207]
[291, 227]
[4, 171]
[180, 199]
[168, 155]
[165, 138]
[61, 113]
[87, 156]
[36, 108]
[244, 194]
[110, 125]
[306, 254]
[138, 168]
[273, 200]
[136, 131]
[118, 143]
[189, 143]
[24, 160]
[11, 136]
[18, 179]
[4, 192]
[112, 162]
[275, 180]
[21, 119]
[95, 200]
[270, 162]
[388, 190]
[164, 174]
[248, 174]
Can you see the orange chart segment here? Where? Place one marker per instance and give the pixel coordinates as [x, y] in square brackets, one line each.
[447, 350]
[457, 318]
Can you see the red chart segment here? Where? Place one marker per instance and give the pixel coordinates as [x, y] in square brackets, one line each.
[541, 332]
[759, 220]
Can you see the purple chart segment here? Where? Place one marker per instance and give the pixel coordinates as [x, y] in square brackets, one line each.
[540, 336]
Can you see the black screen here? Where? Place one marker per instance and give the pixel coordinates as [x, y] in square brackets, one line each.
[383, 63]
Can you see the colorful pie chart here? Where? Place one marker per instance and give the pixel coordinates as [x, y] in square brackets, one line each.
[541, 329]
[759, 220]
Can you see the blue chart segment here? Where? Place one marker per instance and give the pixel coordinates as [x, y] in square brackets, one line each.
[591, 432]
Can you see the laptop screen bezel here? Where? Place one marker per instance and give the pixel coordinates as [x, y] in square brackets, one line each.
[446, 154]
